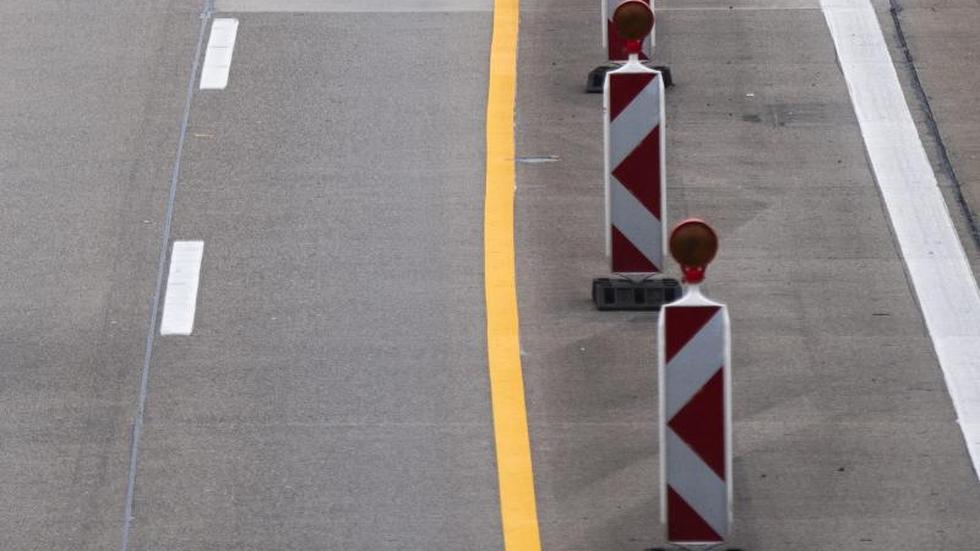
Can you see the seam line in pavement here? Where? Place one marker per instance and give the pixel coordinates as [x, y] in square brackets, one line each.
[518, 509]
[934, 258]
[933, 126]
[137, 428]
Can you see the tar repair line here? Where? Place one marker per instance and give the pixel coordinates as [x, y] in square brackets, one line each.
[180, 302]
[155, 304]
[518, 509]
[217, 58]
[934, 258]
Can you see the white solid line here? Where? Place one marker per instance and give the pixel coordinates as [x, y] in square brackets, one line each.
[181, 299]
[217, 58]
[934, 258]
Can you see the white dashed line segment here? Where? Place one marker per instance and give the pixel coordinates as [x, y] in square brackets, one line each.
[180, 303]
[217, 58]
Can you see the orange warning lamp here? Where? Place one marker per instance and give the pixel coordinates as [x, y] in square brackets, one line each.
[693, 244]
[634, 21]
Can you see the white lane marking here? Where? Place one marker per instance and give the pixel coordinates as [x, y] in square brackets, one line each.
[217, 58]
[934, 256]
[181, 299]
[353, 6]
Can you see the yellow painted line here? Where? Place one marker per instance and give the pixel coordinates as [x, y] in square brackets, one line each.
[518, 510]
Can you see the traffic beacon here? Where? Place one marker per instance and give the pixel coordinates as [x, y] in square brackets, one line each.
[695, 401]
[635, 177]
[616, 42]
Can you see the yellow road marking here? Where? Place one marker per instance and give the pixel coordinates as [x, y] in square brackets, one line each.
[518, 510]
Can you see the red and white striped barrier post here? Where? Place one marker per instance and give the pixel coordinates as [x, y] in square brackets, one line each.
[635, 167]
[695, 401]
[636, 176]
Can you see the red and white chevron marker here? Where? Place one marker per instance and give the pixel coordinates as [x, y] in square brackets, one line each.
[616, 45]
[636, 178]
[695, 401]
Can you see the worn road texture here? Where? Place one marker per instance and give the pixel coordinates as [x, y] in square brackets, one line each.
[90, 100]
[334, 394]
[845, 436]
[937, 50]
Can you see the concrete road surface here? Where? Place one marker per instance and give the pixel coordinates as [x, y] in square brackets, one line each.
[937, 47]
[939, 42]
[845, 437]
[334, 393]
[90, 101]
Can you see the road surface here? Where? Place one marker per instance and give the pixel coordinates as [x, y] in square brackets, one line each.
[334, 391]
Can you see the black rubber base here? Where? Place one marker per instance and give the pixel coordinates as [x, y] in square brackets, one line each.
[597, 76]
[625, 294]
[667, 75]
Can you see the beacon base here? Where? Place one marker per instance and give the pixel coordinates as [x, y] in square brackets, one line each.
[597, 76]
[628, 294]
